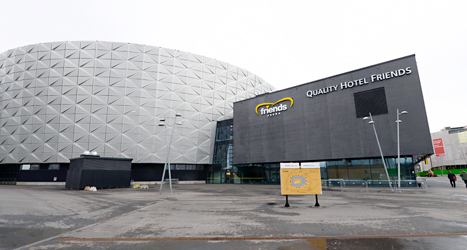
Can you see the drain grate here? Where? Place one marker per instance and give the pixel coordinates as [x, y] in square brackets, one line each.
[265, 238]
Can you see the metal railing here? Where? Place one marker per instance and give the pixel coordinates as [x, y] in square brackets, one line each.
[367, 185]
[8, 178]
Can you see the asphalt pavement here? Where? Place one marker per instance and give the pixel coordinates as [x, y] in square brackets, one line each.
[232, 216]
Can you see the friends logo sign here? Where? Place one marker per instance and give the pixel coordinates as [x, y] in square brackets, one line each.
[272, 109]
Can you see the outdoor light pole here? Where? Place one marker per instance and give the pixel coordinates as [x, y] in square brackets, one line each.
[440, 166]
[167, 162]
[462, 153]
[399, 150]
[379, 146]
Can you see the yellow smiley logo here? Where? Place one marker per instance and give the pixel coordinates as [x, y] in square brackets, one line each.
[270, 104]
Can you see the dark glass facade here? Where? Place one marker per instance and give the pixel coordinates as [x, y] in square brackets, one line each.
[367, 169]
[223, 171]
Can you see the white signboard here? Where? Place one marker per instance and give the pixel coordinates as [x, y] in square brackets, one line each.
[290, 165]
[310, 165]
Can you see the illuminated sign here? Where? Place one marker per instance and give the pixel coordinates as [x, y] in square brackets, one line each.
[272, 109]
[301, 179]
[360, 82]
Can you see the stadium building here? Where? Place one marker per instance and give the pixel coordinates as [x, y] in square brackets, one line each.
[223, 123]
[60, 99]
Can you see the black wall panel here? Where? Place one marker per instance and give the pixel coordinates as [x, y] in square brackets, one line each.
[101, 172]
[42, 175]
[370, 101]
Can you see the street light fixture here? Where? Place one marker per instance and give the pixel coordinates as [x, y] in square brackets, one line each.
[167, 162]
[379, 146]
[399, 150]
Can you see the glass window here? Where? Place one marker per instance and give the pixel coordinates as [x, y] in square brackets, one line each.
[224, 130]
[407, 169]
[359, 169]
[180, 167]
[190, 167]
[377, 170]
[223, 154]
[35, 167]
[230, 156]
[54, 167]
[200, 167]
[337, 169]
[391, 164]
[25, 167]
[216, 177]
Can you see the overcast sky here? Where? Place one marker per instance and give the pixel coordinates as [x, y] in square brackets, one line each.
[284, 42]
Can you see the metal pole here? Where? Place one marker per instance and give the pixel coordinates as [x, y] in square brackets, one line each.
[463, 155]
[431, 163]
[166, 161]
[441, 167]
[163, 175]
[287, 201]
[398, 154]
[168, 153]
[381, 152]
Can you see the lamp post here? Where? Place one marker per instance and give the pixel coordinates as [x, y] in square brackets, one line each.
[379, 146]
[399, 150]
[462, 153]
[167, 162]
[439, 164]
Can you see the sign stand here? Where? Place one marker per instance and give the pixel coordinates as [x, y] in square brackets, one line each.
[287, 201]
[300, 179]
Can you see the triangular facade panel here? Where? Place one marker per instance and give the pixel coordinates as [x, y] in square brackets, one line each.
[62, 98]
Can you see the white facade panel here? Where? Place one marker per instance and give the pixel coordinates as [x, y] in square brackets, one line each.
[62, 98]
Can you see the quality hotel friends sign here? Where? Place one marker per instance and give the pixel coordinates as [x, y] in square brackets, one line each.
[360, 82]
[270, 109]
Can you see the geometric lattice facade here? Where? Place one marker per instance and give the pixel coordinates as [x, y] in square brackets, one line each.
[60, 99]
